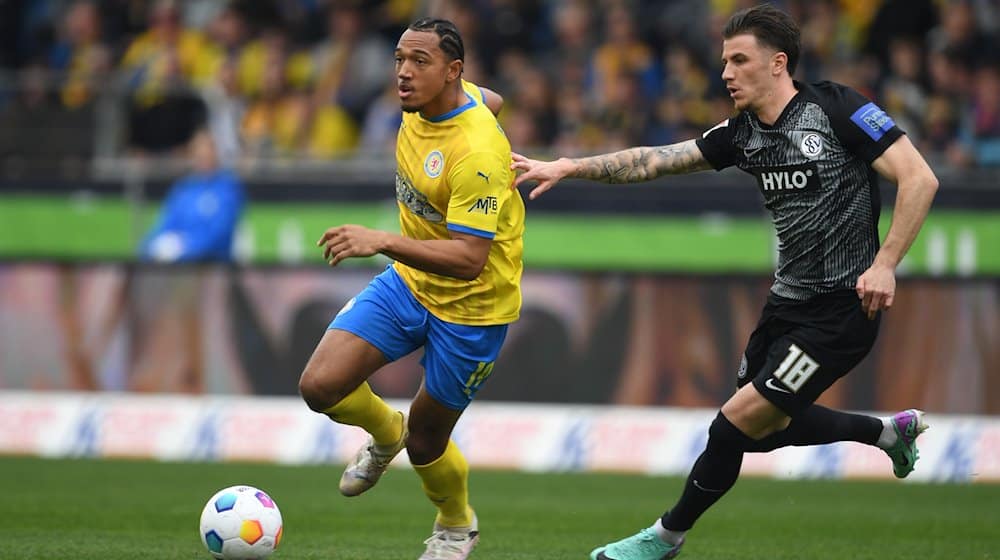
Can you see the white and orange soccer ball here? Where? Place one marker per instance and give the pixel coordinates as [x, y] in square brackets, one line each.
[241, 523]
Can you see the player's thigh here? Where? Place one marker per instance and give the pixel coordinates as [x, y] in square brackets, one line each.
[458, 359]
[381, 324]
[806, 361]
[338, 365]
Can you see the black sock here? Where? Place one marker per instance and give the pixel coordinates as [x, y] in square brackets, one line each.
[713, 474]
[817, 425]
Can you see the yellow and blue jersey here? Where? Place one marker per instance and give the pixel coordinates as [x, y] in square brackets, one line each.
[453, 173]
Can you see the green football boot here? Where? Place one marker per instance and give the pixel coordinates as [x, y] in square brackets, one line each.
[644, 545]
[904, 454]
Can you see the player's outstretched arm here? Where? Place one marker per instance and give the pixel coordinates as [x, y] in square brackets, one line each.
[903, 165]
[633, 165]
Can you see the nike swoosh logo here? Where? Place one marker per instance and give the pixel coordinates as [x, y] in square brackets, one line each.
[751, 153]
[483, 175]
[703, 489]
[770, 384]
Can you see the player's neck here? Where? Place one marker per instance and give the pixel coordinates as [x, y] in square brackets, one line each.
[450, 99]
[776, 101]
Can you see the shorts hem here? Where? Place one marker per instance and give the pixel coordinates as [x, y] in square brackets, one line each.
[363, 336]
[780, 404]
[448, 405]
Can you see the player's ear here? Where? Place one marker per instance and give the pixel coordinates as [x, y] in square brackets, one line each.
[454, 70]
[779, 62]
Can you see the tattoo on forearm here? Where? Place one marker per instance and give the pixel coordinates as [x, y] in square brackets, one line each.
[642, 164]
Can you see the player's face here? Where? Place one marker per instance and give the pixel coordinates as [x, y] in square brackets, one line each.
[748, 70]
[422, 69]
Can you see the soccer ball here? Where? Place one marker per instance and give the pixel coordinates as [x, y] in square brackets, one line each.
[240, 523]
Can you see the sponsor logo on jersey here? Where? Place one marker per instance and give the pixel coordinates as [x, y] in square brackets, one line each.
[415, 200]
[486, 205]
[812, 145]
[434, 164]
[873, 121]
[790, 179]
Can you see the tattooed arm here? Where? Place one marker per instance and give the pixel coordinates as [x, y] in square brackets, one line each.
[633, 165]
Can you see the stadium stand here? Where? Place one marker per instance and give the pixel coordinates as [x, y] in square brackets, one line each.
[302, 79]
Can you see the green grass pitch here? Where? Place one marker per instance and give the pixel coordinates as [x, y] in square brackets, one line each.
[85, 509]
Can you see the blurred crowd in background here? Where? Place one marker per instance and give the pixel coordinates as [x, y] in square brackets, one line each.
[313, 78]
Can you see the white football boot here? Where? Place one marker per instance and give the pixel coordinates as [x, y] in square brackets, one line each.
[451, 543]
[369, 464]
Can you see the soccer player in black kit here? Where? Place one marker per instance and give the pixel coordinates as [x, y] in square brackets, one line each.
[814, 150]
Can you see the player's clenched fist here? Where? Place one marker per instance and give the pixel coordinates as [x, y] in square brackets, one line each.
[876, 289]
[349, 240]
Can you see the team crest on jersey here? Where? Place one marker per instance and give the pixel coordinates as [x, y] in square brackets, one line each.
[812, 145]
[415, 200]
[434, 164]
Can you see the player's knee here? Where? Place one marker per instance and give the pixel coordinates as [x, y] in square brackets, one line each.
[723, 433]
[753, 415]
[319, 396]
[311, 392]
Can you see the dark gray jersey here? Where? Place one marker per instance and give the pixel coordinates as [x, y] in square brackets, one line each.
[813, 167]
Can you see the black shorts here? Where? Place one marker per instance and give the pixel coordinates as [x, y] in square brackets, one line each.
[800, 348]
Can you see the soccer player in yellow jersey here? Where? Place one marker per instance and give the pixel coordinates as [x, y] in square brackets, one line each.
[453, 289]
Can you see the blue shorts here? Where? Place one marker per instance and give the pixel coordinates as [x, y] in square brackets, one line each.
[457, 358]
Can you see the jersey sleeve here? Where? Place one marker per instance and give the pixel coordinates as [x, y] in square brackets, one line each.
[477, 182]
[475, 91]
[863, 127]
[716, 145]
